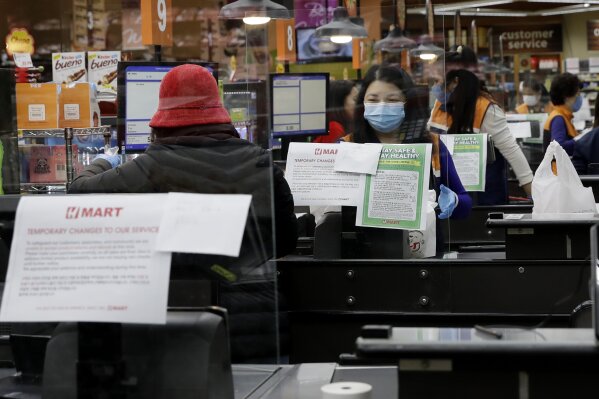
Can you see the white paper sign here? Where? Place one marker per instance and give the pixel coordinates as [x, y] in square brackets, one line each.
[449, 142]
[311, 175]
[204, 223]
[573, 65]
[87, 258]
[23, 60]
[520, 130]
[593, 64]
[358, 158]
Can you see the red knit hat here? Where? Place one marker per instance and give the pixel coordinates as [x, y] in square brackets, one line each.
[189, 96]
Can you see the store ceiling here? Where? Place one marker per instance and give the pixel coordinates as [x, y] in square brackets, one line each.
[506, 8]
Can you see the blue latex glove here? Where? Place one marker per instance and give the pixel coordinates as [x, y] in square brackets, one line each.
[114, 160]
[448, 200]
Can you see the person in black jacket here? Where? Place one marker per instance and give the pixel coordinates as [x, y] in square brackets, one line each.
[195, 148]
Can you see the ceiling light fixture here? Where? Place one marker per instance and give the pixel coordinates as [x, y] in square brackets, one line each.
[254, 12]
[567, 10]
[394, 42]
[341, 29]
[426, 50]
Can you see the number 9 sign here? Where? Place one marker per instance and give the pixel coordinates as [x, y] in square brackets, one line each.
[161, 8]
[156, 22]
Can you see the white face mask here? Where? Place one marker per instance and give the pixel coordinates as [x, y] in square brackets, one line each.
[531, 101]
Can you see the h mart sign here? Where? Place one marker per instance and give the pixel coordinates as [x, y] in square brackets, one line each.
[157, 22]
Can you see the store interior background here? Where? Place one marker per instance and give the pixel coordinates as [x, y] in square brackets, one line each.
[200, 35]
[249, 53]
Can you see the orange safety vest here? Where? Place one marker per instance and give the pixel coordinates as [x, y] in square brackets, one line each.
[441, 120]
[523, 108]
[564, 112]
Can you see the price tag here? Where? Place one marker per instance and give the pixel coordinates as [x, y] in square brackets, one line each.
[23, 60]
[157, 22]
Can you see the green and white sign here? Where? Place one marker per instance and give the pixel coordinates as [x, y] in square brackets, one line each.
[395, 198]
[469, 153]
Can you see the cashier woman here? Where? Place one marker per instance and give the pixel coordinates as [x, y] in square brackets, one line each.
[464, 105]
[386, 103]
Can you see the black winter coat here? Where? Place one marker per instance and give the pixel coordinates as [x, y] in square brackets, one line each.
[209, 159]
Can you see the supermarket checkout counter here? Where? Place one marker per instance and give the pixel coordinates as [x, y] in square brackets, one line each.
[332, 299]
[532, 238]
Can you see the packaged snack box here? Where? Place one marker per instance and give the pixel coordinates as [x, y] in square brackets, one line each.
[102, 69]
[78, 106]
[68, 67]
[47, 164]
[37, 105]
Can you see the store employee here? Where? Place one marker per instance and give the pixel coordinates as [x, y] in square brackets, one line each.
[566, 98]
[464, 105]
[535, 98]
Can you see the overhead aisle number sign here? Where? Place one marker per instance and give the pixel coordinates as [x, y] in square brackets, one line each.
[285, 31]
[157, 22]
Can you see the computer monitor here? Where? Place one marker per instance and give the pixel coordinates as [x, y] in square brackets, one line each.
[299, 104]
[246, 103]
[313, 49]
[138, 88]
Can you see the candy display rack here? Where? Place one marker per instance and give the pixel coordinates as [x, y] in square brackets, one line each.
[51, 158]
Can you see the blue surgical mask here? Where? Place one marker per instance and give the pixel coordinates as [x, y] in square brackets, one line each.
[384, 117]
[577, 104]
[440, 94]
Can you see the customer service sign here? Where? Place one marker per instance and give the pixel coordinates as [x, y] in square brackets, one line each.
[532, 39]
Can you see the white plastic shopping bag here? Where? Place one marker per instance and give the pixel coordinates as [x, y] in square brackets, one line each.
[423, 243]
[562, 193]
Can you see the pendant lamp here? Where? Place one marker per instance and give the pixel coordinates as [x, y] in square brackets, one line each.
[254, 12]
[426, 50]
[341, 29]
[491, 66]
[395, 41]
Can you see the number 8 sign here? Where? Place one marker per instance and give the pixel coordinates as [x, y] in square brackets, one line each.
[285, 34]
[157, 22]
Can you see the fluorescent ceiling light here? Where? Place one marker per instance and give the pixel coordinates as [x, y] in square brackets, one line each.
[566, 10]
[256, 20]
[563, 1]
[471, 4]
[489, 12]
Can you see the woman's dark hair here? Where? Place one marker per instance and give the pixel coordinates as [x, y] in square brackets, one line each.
[535, 86]
[395, 75]
[461, 54]
[338, 91]
[532, 84]
[562, 86]
[462, 102]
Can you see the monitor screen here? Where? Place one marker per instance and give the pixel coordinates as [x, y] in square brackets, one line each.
[299, 104]
[138, 87]
[246, 103]
[311, 48]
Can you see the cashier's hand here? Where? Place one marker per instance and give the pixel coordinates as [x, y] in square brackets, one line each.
[448, 200]
[114, 160]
